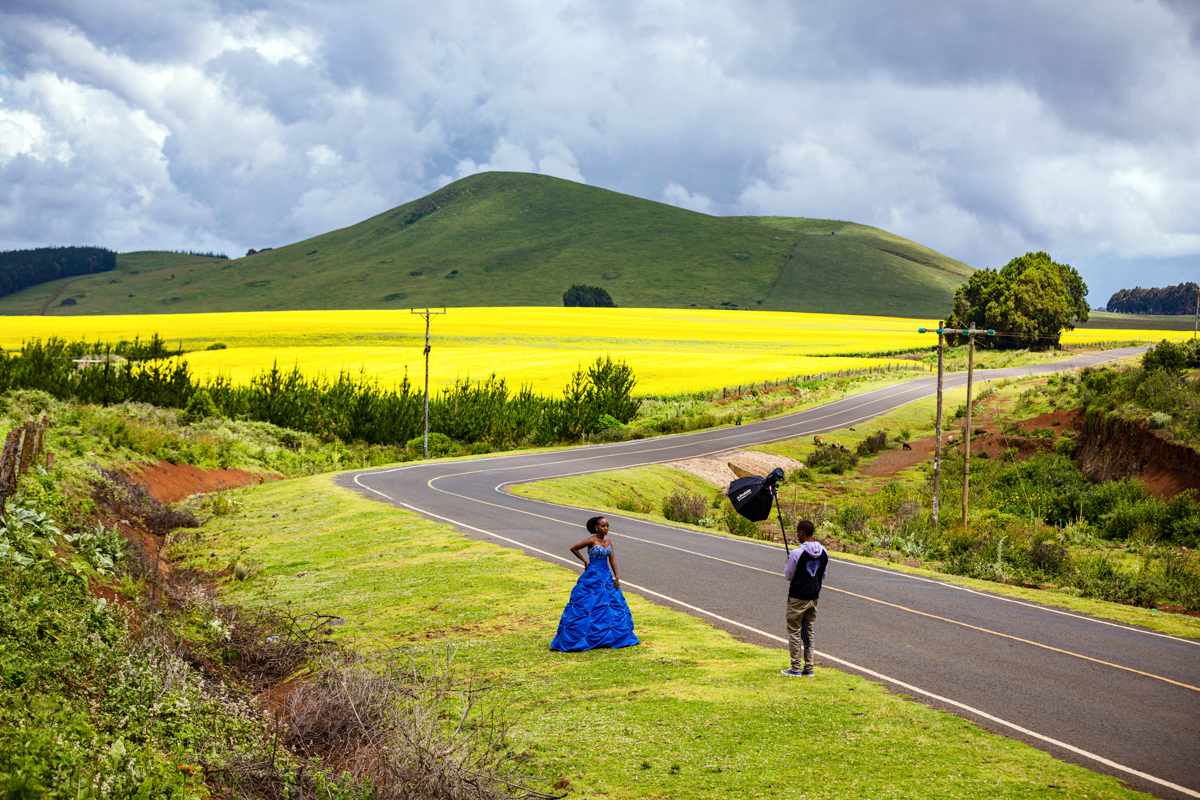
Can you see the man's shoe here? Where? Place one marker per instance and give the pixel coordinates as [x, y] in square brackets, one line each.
[791, 673]
[806, 672]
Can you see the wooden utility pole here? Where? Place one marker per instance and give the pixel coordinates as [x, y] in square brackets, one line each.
[427, 314]
[937, 455]
[937, 441]
[970, 333]
[967, 432]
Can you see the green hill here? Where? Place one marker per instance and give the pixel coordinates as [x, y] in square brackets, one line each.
[505, 239]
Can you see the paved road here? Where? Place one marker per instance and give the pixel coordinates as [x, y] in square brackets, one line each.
[1117, 699]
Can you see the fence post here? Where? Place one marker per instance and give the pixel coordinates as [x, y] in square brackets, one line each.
[8, 470]
[22, 446]
[27, 447]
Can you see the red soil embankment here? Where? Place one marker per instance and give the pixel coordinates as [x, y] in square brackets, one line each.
[168, 483]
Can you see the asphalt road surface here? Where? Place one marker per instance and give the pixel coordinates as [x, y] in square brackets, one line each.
[1115, 698]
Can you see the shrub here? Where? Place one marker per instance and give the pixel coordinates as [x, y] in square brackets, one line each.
[684, 507]
[1049, 558]
[1180, 521]
[608, 422]
[1100, 499]
[439, 445]
[1159, 420]
[853, 520]
[872, 444]
[633, 505]
[828, 458]
[736, 524]
[1066, 446]
[1165, 357]
[801, 474]
[199, 406]
[1128, 516]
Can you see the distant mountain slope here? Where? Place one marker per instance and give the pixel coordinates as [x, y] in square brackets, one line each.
[507, 239]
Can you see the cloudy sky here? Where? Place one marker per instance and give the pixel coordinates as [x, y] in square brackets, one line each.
[981, 129]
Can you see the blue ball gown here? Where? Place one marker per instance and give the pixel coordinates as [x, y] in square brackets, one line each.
[596, 615]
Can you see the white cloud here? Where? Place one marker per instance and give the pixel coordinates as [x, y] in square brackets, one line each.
[676, 195]
[136, 124]
[22, 133]
[554, 159]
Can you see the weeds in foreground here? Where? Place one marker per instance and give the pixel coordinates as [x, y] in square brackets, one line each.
[101, 700]
[404, 727]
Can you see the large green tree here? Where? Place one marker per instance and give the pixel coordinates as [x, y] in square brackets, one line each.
[1029, 302]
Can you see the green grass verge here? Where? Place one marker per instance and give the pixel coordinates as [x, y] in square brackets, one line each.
[691, 712]
[512, 239]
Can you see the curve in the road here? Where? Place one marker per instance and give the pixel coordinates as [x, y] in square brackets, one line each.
[974, 655]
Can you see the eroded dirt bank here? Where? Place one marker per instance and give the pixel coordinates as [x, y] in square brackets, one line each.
[1110, 450]
[170, 483]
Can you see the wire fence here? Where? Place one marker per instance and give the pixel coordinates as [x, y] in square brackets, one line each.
[22, 447]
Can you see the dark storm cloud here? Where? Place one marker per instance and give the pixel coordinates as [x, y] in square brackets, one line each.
[980, 129]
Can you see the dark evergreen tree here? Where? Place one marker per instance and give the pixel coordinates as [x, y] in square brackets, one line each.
[587, 297]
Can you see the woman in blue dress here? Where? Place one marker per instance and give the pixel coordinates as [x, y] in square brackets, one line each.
[596, 615]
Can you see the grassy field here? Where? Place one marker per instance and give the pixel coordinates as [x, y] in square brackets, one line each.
[510, 239]
[690, 712]
[672, 351]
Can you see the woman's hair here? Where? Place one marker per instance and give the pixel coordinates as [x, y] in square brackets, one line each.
[592, 523]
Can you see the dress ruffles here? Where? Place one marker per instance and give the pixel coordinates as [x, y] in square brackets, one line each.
[597, 614]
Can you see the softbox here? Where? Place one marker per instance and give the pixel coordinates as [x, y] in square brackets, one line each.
[751, 497]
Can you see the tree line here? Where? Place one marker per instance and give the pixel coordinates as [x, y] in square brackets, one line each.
[1172, 300]
[351, 407]
[202, 254]
[20, 269]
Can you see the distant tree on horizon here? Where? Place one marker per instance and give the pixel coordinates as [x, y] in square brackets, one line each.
[587, 297]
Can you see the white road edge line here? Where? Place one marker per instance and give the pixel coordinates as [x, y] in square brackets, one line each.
[909, 687]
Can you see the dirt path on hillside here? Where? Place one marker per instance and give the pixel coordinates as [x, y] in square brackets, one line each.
[46, 307]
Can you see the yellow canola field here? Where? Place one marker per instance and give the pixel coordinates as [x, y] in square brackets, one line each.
[551, 327]
[546, 370]
[670, 350]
